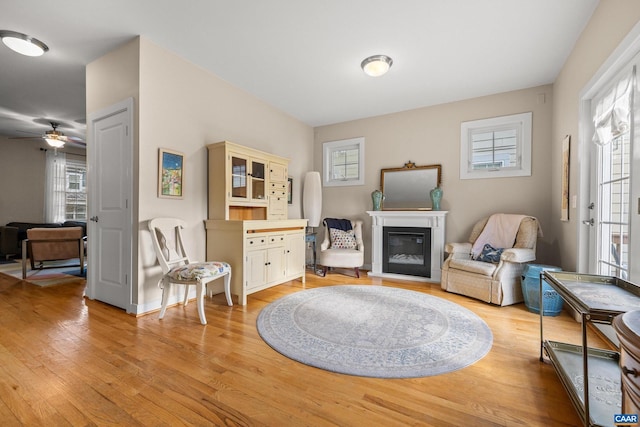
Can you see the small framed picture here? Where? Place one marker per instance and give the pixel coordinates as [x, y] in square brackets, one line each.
[170, 174]
[290, 190]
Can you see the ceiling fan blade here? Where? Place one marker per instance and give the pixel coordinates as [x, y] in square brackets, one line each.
[74, 140]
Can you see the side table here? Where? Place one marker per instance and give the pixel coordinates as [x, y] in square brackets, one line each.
[310, 237]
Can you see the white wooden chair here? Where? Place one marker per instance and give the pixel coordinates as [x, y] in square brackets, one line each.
[177, 268]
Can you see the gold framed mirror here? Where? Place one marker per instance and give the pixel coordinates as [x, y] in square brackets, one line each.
[408, 187]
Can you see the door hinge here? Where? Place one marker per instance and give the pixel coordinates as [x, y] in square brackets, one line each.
[126, 279]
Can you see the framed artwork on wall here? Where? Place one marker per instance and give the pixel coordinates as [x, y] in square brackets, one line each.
[290, 190]
[564, 206]
[170, 174]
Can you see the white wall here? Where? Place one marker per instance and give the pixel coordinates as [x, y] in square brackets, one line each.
[183, 107]
[432, 136]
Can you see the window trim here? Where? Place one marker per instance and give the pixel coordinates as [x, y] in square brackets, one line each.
[522, 122]
[329, 147]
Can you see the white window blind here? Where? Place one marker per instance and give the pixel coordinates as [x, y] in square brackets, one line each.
[612, 112]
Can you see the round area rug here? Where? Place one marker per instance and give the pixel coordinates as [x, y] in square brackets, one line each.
[374, 331]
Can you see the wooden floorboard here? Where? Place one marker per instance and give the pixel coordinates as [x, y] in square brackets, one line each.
[67, 360]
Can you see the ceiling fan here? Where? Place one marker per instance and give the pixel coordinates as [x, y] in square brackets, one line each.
[56, 138]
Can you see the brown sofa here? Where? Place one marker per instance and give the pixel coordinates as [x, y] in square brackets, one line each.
[9, 241]
[52, 244]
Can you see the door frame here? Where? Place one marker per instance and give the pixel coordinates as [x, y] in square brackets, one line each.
[628, 48]
[123, 106]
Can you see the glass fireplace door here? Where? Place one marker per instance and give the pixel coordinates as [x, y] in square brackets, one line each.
[407, 250]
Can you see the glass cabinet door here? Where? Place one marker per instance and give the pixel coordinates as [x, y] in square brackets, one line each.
[239, 175]
[258, 180]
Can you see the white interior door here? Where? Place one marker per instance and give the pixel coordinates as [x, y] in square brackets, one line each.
[110, 210]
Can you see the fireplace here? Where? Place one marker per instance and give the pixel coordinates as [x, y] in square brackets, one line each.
[415, 223]
[406, 250]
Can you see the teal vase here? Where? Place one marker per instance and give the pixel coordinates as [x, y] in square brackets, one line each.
[436, 197]
[377, 197]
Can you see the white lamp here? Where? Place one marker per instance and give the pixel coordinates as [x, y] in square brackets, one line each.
[312, 198]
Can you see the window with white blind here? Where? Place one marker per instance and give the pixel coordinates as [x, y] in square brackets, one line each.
[496, 148]
[76, 190]
[344, 162]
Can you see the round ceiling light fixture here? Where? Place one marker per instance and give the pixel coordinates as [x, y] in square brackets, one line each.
[22, 43]
[376, 65]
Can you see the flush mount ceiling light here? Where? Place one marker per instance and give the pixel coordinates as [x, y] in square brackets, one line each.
[376, 65]
[22, 43]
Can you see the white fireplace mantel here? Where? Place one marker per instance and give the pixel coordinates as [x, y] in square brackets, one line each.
[435, 220]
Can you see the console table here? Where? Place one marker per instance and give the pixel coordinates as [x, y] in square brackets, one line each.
[591, 376]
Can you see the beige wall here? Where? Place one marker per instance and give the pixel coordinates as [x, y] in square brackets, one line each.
[22, 196]
[432, 136]
[23, 165]
[183, 107]
[611, 22]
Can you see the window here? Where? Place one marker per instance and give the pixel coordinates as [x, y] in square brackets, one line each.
[76, 190]
[496, 148]
[344, 162]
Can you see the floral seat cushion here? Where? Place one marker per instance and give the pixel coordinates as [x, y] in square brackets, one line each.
[199, 270]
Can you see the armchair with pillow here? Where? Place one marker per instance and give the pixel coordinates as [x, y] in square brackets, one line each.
[489, 266]
[342, 246]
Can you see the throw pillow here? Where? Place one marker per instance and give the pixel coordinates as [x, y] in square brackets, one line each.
[341, 239]
[489, 254]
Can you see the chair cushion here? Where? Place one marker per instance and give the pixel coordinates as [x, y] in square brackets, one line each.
[198, 270]
[490, 254]
[343, 258]
[341, 239]
[471, 266]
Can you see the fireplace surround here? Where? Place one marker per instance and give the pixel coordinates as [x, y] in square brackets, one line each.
[412, 224]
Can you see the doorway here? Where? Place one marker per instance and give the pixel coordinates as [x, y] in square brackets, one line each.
[610, 170]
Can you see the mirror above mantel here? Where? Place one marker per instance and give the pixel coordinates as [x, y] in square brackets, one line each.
[408, 187]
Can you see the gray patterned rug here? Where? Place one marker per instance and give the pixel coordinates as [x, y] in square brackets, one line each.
[374, 331]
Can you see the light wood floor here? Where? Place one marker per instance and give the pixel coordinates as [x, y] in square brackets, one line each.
[66, 360]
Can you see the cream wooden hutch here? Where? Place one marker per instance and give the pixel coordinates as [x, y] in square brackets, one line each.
[248, 225]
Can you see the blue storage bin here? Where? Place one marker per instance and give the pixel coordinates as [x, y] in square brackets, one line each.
[531, 290]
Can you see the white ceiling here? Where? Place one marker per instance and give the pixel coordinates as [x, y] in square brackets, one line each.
[300, 56]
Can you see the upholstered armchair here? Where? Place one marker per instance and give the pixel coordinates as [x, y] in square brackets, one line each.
[52, 244]
[342, 247]
[495, 282]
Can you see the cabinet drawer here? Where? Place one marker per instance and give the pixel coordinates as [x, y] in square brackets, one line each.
[278, 238]
[277, 193]
[254, 242]
[631, 379]
[278, 186]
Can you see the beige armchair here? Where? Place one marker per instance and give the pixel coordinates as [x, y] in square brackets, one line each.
[346, 251]
[495, 283]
